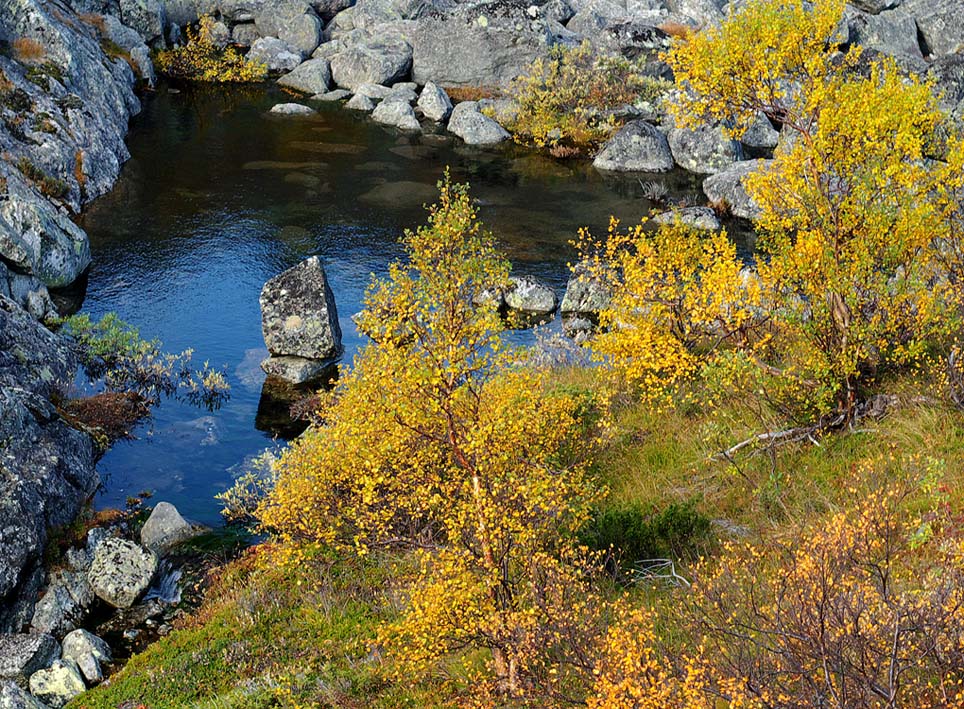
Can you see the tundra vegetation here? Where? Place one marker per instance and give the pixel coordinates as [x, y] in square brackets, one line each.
[752, 500]
[201, 58]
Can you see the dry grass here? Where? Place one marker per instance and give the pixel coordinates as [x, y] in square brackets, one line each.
[5, 83]
[109, 416]
[471, 93]
[564, 152]
[94, 20]
[79, 174]
[720, 207]
[677, 29]
[28, 50]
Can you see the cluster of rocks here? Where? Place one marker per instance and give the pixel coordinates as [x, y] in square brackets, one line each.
[109, 571]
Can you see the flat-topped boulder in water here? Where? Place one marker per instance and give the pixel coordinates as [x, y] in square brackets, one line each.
[299, 320]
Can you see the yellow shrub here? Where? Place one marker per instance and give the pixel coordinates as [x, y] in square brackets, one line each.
[565, 99]
[201, 60]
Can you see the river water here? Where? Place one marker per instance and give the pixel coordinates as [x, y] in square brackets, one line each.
[218, 197]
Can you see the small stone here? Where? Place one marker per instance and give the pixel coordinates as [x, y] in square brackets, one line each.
[398, 114]
[59, 684]
[530, 296]
[474, 127]
[585, 294]
[82, 642]
[312, 77]
[373, 91]
[13, 697]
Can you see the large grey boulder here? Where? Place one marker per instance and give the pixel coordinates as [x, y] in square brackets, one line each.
[23, 654]
[89, 652]
[530, 296]
[378, 62]
[729, 187]
[121, 571]
[892, 33]
[704, 150]
[311, 77]
[948, 76]
[474, 127]
[299, 318]
[58, 684]
[13, 697]
[480, 44]
[275, 54]
[292, 21]
[434, 103]
[636, 147]
[398, 114]
[166, 528]
[939, 24]
[761, 134]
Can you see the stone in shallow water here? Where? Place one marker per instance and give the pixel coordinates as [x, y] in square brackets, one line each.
[22, 654]
[166, 528]
[312, 77]
[637, 147]
[121, 571]
[530, 296]
[474, 127]
[404, 193]
[435, 103]
[398, 114]
[298, 313]
[696, 217]
[703, 150]
[292, 109]
[360, 102]
[585, 294]
[296, 370]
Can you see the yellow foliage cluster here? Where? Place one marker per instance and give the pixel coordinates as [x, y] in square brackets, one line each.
[437, 441]
[566, 99]
[202, 60]
[860, 230]
[865, 611]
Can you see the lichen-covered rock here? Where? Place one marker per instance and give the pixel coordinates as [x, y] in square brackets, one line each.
[478, 44]
[14, 697]
[64, 604]
[939, 24]
[311, 77]
[636, 147]
[696, 217]
[474, 127]
[586, 294]
[704, 150]
[22, 654]
[434, 103]
[166, 528]
[58, 684]
[298, 313]
[121, 571]
[398, 114]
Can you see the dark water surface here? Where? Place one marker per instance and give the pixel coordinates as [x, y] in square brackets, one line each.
[219, 197]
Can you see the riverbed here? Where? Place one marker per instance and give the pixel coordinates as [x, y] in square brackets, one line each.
[218, 197]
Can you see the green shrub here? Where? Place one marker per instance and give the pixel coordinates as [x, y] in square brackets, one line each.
[634, 533]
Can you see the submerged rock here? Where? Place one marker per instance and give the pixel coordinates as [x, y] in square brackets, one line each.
[637, 147]
[121, 571]
[396, 113]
